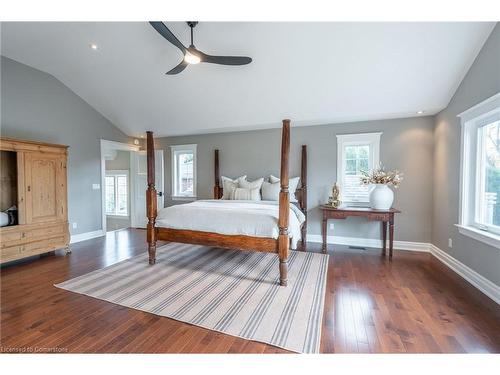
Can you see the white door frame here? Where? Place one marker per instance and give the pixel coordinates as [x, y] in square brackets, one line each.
[107, 146]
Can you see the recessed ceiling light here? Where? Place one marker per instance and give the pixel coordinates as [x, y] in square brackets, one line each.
[93, 46]
[420, 112]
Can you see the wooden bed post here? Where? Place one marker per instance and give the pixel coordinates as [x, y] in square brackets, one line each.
[151, 206]
[303, 200]
[217, 189]
[284, 205]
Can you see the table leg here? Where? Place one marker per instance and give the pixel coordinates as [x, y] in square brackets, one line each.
[391, 237]
[323, 232]
[384, 237]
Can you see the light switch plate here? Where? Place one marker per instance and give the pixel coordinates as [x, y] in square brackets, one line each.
[96, 186]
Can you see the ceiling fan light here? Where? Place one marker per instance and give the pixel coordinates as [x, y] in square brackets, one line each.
[191, 59]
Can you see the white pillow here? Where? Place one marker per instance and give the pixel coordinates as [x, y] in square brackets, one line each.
[257, 184]
[229, 186]
[292, 186]
[247, 194]
[270, 191]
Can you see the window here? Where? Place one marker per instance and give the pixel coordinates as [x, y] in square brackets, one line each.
[183, 171]
[356, 153]
[488, 177]
[116, 193]
[480, 172]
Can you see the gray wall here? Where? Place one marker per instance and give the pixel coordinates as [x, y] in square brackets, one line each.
[406, 144]
[37, 106]
[481, 82]
[120, 163]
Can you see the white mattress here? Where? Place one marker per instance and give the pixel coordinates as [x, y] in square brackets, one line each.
[232, 217]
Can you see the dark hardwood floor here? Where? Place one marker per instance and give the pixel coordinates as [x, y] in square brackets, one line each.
[414, 304]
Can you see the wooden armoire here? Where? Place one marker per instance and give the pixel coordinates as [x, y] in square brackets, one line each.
[33, 178]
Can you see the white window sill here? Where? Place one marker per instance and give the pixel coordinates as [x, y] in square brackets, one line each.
[480, 235]
[124, 217]
[182, 198]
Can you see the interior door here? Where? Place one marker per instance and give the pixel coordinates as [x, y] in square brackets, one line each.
[45, 180]
[139, 172]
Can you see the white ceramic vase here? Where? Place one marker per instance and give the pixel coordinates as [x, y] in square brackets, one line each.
[381, 197]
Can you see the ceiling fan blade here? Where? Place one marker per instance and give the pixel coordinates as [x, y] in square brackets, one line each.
[179, 68]
[168, 35]
[224, 60]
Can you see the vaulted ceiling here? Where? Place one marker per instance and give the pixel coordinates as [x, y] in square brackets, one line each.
[313, 73]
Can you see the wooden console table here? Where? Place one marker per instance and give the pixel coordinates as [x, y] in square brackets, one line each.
[385, 216]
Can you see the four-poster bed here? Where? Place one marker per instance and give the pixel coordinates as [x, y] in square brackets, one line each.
[280, 243]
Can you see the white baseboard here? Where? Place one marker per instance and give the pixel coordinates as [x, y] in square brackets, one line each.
[483, 284]
[86, 236]
[370, 242]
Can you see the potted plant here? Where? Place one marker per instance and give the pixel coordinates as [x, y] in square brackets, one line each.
[381, 196]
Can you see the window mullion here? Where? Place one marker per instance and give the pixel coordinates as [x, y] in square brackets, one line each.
[116, 194]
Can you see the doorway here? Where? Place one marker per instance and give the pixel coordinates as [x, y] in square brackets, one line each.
[124, 184]
[117, 190]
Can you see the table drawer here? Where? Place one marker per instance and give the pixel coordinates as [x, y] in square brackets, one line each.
[334, 215]
[378, 217]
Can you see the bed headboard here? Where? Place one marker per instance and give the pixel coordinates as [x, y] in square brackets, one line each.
[300, 193]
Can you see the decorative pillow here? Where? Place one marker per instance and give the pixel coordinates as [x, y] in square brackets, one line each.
[257, 184]
[270, 191]
[229, 186]
[247, 194]
[292, 186]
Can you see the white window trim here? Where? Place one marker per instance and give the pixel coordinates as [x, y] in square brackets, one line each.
[359, 138]
[468, 163]
[117, 172]
[176, 148]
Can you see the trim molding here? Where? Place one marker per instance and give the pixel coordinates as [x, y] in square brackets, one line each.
[482, 107]
[483, 284]
[370, 242]
[86, 236]
[480, 235]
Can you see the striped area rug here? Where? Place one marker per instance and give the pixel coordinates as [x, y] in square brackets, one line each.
[229, 291]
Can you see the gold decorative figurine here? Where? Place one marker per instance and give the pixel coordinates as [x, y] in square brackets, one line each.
[334, 200]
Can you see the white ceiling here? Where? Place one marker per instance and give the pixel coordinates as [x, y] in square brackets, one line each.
[310, 72]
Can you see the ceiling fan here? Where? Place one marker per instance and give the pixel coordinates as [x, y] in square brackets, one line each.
[193, 55]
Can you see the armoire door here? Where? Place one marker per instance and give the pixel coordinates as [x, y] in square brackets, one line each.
[45, 187]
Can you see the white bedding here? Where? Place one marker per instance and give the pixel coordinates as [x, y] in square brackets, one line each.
[232, 217]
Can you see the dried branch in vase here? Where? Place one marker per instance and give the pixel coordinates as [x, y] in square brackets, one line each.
[381, 176]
